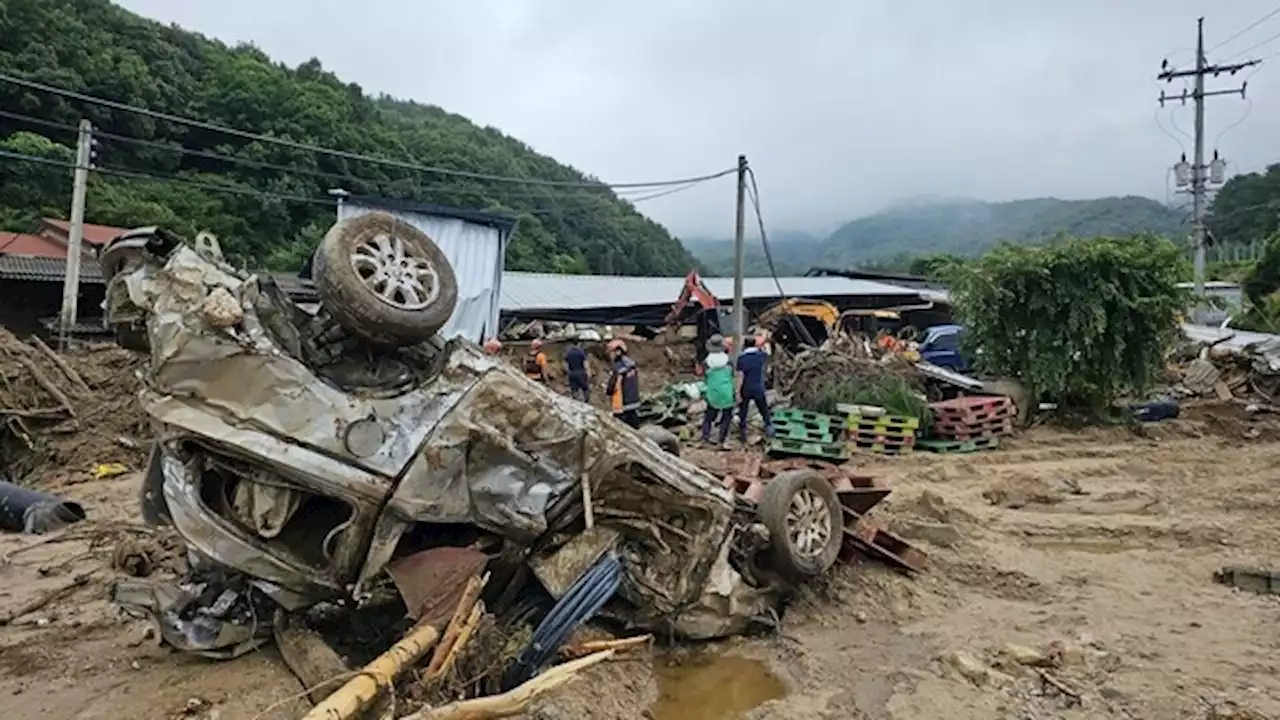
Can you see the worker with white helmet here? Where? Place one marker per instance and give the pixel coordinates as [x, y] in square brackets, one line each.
[623, 387]
[535, 362]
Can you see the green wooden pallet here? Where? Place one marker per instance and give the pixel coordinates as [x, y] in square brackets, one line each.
[877, 448]
[800, 432]
[788, 446]
[805, 417]
[959, 446]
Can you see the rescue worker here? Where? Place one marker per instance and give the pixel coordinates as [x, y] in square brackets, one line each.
[623, 387]
[535, 363]
[752, 368]
[493, 346]
[578, 371]
[719, 396]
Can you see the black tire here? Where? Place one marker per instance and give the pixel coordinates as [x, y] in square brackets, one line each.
[775, 504]
[662, 437]
[357, 307]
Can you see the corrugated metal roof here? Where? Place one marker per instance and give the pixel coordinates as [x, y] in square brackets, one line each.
[540, 291]
[22, 267]
[92, 234]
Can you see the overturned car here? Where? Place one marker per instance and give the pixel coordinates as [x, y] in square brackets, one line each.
[306, 456]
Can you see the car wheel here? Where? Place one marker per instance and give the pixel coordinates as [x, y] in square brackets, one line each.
[805, 522]
[384, 280]
[662, 437]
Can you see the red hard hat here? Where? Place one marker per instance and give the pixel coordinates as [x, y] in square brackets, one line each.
[536, 345]
[493, 346]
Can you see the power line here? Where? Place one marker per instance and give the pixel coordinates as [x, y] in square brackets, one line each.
[1251, 48]
[130, 174]
[261, 165]
[1246, 29]
[307, 147]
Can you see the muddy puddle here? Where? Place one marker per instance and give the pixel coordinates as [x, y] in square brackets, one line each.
[712, 687]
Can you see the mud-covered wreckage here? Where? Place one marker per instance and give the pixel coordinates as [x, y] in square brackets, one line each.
[301, 453]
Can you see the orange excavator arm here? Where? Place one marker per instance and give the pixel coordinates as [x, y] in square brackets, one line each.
[694, 290]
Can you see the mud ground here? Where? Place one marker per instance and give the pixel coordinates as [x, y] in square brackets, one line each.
[1089, 552]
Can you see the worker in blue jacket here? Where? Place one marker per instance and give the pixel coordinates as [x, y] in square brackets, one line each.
[752, 368]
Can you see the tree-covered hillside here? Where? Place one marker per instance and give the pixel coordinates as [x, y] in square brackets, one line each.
[97, 48]
[893, 238]
[968, 227]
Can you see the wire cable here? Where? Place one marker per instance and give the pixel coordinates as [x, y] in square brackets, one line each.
[261, 165]
[346, 155]
[1251, 48]
[753, 192]
[130, 174]
[1245, 29]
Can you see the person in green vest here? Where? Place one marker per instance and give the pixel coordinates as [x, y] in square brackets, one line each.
[718, 377]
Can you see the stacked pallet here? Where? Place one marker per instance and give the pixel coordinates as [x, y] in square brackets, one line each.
[968, 424]
[811, 434]
[885, 434]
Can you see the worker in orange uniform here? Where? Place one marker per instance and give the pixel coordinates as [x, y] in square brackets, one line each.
[535, 363]
[493, 346]
[624, 384]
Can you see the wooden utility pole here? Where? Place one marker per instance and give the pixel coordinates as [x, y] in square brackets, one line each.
[75, 235]
[1199, 175]
[739, 309]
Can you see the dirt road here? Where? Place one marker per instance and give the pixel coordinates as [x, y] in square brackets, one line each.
[1089, 554]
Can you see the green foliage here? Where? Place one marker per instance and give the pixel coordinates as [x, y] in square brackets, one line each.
[97, 48]
[891, 392]
[1247, 208]
[1081, 322]
[1261, 289]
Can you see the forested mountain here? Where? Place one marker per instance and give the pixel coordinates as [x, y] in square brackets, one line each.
[891, 238]
[1247, 208]
[97, 48]
[793, 253]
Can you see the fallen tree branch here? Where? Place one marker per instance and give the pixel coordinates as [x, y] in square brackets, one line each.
[1058, 685]
[595, 646]
[461, 614]
[514, 701]
[36, 414]
[43, 600]
[308, 656]
[464, 636]
[43, 381]
[362, 691]
[62, 364]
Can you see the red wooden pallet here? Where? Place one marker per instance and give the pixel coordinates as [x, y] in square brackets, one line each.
[972, 403]
[975, 417]
[965, 431]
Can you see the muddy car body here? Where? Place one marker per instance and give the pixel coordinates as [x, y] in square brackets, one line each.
[307, 458]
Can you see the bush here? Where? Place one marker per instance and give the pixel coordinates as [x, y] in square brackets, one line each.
[1262, 292]
[1079, 322]
[894, 393]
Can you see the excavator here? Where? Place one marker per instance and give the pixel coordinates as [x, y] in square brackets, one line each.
[793, 322]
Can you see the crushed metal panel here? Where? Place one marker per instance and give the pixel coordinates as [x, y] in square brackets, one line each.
[431, 582]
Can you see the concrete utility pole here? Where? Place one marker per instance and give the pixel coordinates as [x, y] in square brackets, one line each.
[75, 235]
[1199, 178]
[740, 230]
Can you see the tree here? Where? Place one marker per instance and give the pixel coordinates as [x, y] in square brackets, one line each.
[98, 48]
[1081, 322]
[1247, 208]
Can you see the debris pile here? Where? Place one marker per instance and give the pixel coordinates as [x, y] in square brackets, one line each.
[808, 377]
[1248, 373]
[74, 411]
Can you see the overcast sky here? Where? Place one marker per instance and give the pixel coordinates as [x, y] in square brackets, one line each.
[842, 106]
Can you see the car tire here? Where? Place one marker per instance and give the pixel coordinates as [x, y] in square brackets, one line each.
[805, 521]
[384, 280]
[662, 437]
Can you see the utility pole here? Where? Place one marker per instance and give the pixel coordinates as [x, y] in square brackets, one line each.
[739, 310]
[1199, 179]
[75, 236]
